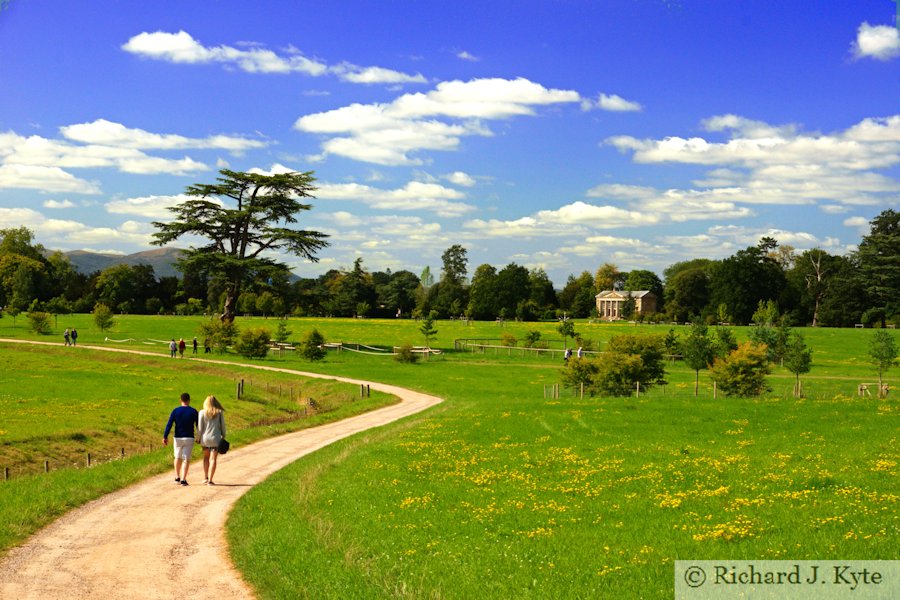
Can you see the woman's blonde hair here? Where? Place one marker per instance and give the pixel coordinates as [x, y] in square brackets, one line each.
[212, 406]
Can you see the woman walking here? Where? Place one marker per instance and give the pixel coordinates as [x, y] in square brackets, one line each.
[211, 428]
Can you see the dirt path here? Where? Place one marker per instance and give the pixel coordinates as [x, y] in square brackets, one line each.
[158, 540]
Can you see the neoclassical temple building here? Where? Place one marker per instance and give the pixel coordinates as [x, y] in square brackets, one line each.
[611, 302]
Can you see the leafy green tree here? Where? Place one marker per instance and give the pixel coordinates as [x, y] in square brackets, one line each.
[282, 333]
[245, 217]
[247, 303]
[427, 328]
[651, 349]
[743, 372]
[724, 341]
[39, 321]
[618, 374]
[742, 280]
[265, 303]
[532, 338]
[879, 259]
[399, 294]
[608, 277]
[641, 279]
[540, 289]
[482, 296]
[405, 354]
[883, 355]
[577, 298]
[254, 343]
[697, 350]
[103, 316]
[567, 330]
[580, 372]
[511, 287]
[221, 334]
[797, 360]
[312, 346]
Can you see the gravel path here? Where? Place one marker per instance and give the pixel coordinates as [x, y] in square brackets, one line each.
[158, 540]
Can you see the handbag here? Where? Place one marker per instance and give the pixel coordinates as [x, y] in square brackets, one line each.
[223, 446]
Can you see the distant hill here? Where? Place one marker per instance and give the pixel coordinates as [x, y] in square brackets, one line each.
[162, 260]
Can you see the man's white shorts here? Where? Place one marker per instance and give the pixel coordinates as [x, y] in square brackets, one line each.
[183, 448]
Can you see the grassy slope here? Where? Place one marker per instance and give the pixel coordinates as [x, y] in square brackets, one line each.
[501, 493]
[59, 404]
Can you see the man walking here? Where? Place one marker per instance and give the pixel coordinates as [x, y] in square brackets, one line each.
[184, 418]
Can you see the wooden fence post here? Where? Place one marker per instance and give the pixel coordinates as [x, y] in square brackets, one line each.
[88, 459]
[46, 466]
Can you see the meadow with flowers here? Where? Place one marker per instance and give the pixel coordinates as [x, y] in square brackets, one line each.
[502, 492]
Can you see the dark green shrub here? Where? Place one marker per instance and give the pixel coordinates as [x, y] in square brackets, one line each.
[312, 346]
[406, 355]
[254, 343]
[743, 372]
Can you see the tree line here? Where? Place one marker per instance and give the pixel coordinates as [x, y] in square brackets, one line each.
[234, 274]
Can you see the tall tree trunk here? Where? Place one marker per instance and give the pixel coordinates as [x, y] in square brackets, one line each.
[230, 299]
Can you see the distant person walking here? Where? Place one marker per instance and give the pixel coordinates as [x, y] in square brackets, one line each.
[580, 352]
[206, 347]
[567, 355]
[181, 347]
[211, 429]
[74, 336]
[195, 345]
[66, 336]
[184, 418]
[173, 348]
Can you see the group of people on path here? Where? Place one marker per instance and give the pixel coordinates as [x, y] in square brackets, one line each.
[568, 354]
[206, 427]
[178, 348]
[71, 336]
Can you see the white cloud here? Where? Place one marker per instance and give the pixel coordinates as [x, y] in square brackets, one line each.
[150, 207]
[463, 55]
[621, 191]
[46, 179]
[388, 133]
[42, 163]
[766, 164]
[58, 204]
[108, 133]
[182, 48]
[372, 75]
[414, 196]
[881, 42]
[58, 233]
[611, 102]
[460, 178]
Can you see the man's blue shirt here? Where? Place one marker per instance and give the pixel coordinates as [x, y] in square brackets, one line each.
[185, 419]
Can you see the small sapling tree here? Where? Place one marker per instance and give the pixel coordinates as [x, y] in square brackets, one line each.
[567, 330]
[254, 343]
[312, 346]
[797, 360]
[697, 350]
[103, 316]
[427, 328]
[883, 355]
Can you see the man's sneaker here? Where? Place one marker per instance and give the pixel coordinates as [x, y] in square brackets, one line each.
[184, 482]
[177, 480]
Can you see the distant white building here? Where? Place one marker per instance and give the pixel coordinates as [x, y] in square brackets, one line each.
[611, 302]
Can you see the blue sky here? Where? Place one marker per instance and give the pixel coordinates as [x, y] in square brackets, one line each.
[558, 134]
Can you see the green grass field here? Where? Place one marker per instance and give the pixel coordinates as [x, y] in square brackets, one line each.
[500, 492]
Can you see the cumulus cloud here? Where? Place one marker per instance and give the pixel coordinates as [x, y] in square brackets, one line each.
[414, 196]
[182, 48]
[108, 133]
[463, 55]
[881, 42]
[460, 178]
[611, 102]
[45, 179]
[388, 133]
[60, 233]
[150, 207]
[761, 163]
[58, 204]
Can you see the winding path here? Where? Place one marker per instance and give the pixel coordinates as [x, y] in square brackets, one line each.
[158, 540]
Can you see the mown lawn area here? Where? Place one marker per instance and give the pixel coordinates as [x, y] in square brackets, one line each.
[501, 492]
